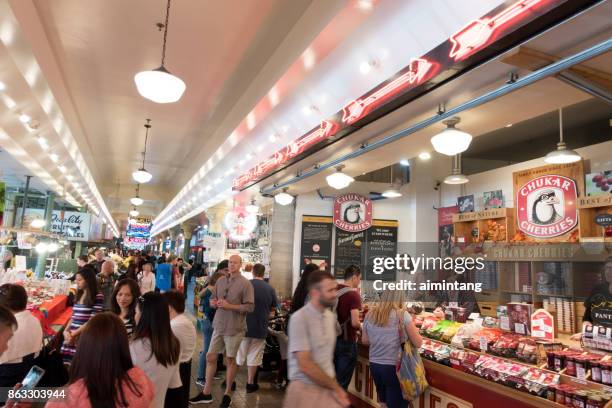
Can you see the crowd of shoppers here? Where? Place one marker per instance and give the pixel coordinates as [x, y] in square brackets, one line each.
[128, 343]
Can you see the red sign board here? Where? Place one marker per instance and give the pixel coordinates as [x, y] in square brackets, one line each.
[479, 40]
[542, 325]
[352, 212]
[546, 206]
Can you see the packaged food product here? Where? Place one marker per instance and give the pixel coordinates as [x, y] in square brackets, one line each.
[488, 335]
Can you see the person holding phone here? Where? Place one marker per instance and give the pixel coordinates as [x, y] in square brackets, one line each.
[27, 341]
[89, 301]
[102, 373]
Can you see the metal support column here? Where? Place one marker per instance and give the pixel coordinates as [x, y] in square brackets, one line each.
[24, 202]
[42, 258]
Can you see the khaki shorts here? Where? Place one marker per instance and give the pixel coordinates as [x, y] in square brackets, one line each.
[225, 344]
[252, 351]
[302, 395]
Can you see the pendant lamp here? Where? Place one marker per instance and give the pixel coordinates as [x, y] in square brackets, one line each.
[283, 198]
[456, 176]
[136, 200]
[451, 141]
[339, 180]
[141, 175]
[393, 192]
[562, 154]
[159, 85]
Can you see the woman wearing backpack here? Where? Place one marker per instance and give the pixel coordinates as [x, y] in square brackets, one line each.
[385, 328]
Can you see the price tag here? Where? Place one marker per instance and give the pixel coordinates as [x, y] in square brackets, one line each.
[453, 304]
[484, 345]
[454, 362]
[504, 323]
[474, 316]
[519, 328]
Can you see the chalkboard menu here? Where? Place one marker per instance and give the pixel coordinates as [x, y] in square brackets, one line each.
[381, 241]
[316, 241]
[348, 251]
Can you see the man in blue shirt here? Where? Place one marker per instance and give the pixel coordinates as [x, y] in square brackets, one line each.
[252, 346]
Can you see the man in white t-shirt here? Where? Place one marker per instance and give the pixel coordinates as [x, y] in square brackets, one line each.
[185, 331]
[27, 340]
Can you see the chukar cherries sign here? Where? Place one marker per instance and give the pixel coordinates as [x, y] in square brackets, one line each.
[546, 201]
[352, 212]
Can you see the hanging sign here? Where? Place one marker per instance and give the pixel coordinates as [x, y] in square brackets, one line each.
[72, 225]
[542, 325]
[546, 201]
[352, 212]
[240, 224]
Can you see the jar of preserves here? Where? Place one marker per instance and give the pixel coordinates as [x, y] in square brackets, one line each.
[581, 367]
[580, 399]
[559, 361]
[560, 395]
[606, 373]
[595, 401]
[550, 360]
[570, 366]
[595, 371]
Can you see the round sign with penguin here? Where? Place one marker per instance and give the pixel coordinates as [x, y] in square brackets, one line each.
[352, 212]
[546, 206]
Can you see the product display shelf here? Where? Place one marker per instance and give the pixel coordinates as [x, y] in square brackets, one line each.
[563, 378]
[588, 209]
[493, 225]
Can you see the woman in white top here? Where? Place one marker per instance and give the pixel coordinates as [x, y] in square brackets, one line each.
[146, 279]
[154, 348]
[26, 342]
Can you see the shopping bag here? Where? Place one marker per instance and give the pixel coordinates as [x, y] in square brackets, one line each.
[410, 369]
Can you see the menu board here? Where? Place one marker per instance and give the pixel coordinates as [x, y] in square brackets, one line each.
[316, 241]
[348, 251]
[381, 242]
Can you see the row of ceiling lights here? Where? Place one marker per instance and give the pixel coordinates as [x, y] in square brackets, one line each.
[32, 126]
[450, 142]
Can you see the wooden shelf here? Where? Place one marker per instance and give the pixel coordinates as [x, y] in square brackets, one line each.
[588, 209]
[464, 224]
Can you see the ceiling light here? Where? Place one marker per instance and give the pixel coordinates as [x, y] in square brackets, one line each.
[62, 168]
[249, 156]
[52, 247]
[562, 155]
[366, 66]
[141, 175]
[424, 156]
[23, 118]
[283, 198]
[134, 213]
[252, 208]
[43, 143]
[54, 157]
[2, 86]
[136, 201]
[41, 247]
[391, 193]
[456, 176]
[309, 58]
[339, 180]
[38, 223]
[218, 180]
[451, 141]
[69, 177]
[509, 125]
[208, 187]
[159, 85]
[404, 162]
[272, 137]
[365, 5]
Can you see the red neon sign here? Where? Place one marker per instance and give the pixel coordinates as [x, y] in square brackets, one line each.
[477, 33]
[475, 36]
[358, 108]
[292, 150]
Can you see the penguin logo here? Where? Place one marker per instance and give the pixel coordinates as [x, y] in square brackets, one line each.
[543, 210]
[352, 213]
[546, 206]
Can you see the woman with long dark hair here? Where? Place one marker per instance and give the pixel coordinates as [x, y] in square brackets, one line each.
[102, 374]
[301, 290]
[88, 302]
[123, 302]
[154, 348]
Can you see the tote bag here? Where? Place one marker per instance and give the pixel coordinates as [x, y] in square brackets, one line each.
[410, 369]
